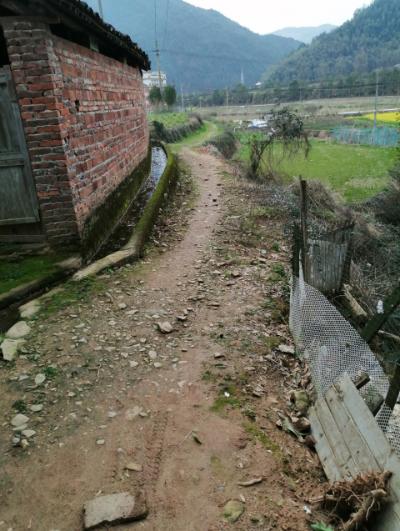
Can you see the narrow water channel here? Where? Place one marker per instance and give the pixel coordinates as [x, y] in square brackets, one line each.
[125, 228]
[8, 318]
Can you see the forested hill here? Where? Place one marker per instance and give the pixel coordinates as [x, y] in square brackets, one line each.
[369, 41]
[201, 49]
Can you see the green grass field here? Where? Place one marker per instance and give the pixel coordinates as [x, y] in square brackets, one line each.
[169, 119]
[355, 172]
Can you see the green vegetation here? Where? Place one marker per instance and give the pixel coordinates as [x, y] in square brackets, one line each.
[356, 172]
[207, 131]
[71, 293]
[228, 397]
[155, 96]
[369, 41]
[321, 527]
[26, 269]
[257, 433]
[169, 96]
[50, 372]
[20, 406]
[169, 119]
[225, 143]
[222, 402]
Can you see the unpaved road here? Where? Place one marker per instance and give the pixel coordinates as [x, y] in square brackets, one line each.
[119, 391]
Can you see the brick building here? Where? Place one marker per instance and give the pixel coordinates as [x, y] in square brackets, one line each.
[74, 142]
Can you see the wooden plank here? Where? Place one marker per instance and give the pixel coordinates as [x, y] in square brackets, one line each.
[323, 449]
[342, 455]
[370, 431]
[344, 414]
[362, 455]
[374, 437]
[375, 324]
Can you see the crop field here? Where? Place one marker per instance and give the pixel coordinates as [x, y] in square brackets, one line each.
[310, 108]
[355, 172]
[385, 117]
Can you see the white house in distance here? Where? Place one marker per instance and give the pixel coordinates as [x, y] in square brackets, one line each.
[151, 79]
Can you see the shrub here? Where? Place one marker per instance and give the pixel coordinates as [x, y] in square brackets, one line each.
[161, 133]
[285, 128]
[225, 143]
[387, 204]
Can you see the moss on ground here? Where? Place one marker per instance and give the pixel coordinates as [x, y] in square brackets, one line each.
[14, 273]
[71, 293]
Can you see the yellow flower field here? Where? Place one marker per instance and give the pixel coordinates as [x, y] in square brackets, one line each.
[387, 117]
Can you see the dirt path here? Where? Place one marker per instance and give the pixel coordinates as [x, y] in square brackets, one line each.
[119, 391]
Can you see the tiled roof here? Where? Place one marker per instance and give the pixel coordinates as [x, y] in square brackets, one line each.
[89, 18]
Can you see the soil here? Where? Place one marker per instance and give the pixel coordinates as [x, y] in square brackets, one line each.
[196, 408]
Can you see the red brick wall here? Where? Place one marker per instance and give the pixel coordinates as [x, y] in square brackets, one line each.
[38, 84]
[105, 124]
[85, 124]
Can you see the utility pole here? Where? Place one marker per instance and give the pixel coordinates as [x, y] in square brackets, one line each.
[227, 97]
[157, 51]
[100, 3]
[182, 100]
[376, 100]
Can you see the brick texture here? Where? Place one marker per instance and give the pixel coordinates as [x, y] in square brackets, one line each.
[85, 124]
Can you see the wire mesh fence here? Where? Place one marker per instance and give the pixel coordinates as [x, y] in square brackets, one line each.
[380, 136]
[332, 347]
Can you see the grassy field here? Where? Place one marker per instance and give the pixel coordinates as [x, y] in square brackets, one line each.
[355, 172]
[169, 119]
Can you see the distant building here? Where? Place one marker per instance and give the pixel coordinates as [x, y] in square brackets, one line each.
[151, 79]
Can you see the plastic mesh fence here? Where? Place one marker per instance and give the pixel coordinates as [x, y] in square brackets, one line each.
[381, 136]
[332, 347]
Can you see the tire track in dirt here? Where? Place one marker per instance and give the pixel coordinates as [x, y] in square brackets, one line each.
[154, 449]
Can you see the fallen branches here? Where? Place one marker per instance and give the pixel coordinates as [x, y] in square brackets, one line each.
[352, 503]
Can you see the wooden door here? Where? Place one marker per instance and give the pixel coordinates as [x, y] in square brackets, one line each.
[18, 200]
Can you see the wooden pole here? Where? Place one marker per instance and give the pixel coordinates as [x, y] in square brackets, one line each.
[304, 227]
[375, 324]
[394, 389]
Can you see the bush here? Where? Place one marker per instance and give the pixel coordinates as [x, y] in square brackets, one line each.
[225, 143]
[387, 204]
[285, 128]
[161, 133]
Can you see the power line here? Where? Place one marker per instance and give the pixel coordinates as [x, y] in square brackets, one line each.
[155, 21]
[166, 23]
[157, 50]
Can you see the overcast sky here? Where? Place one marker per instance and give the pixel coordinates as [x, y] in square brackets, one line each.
[266, 16]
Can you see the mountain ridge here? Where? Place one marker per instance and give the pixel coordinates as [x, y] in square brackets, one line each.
[201, 49]
[369, 41]
[304, 34]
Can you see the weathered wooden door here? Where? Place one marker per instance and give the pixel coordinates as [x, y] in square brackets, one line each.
[18, 200]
